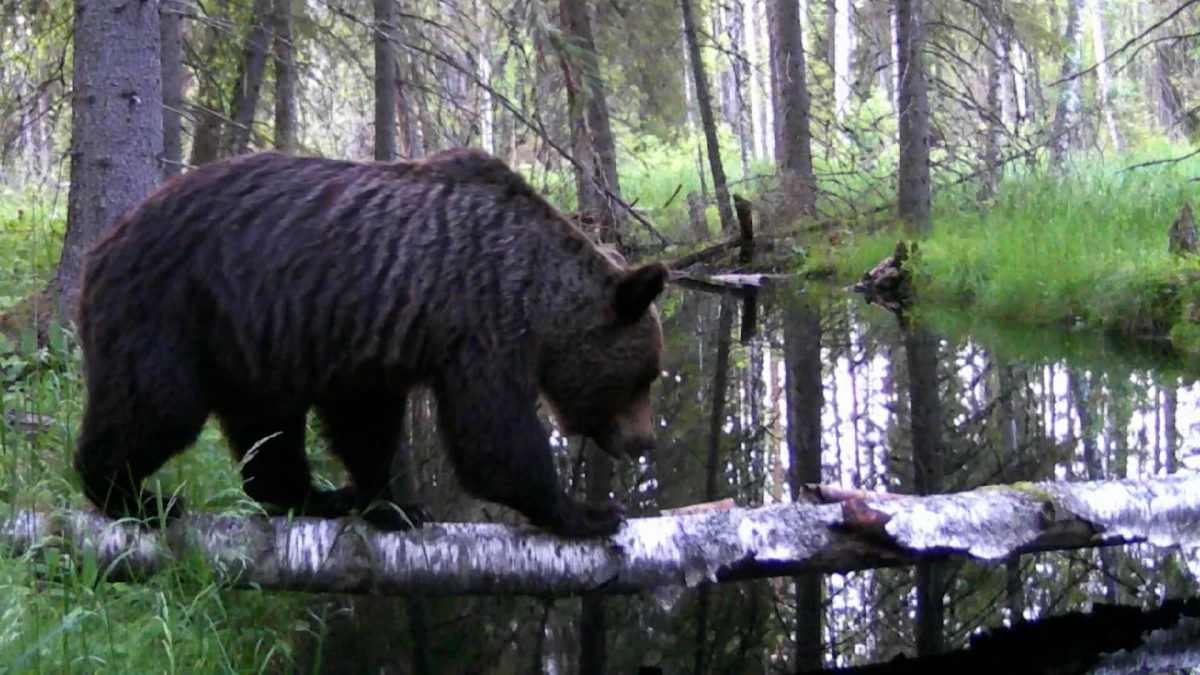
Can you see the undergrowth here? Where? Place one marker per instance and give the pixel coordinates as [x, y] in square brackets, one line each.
[1088, 248]
[54, 616]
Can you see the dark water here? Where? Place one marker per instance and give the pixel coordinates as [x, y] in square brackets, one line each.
[948, 404]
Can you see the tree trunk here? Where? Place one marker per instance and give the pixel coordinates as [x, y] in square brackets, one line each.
[1008, 77]
[285, 79]
[209, 108]
[1067, 111]
[407, 104]
[249, 81]
[913, 110]
[589, 85]
[116, 125]
[486, 112]
[894, 41]
[741, 109]
[794, 144]
[765, 73]
[593, 627]
[921, 351]
[755, 82]
[587, 197]
[1103, 80]
[386, 89]
[704, 102]
[994, 137]
[171, 59]
[841, 57]
[1170, 408]
[714, 463]
[805, 400]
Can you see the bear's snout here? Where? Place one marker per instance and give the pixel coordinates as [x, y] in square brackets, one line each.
[625, 446]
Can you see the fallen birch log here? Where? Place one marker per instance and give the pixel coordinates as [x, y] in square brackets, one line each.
[726, 282]
[661, 554]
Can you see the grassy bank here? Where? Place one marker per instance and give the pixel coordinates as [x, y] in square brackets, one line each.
[1089, 249]
[53, 616]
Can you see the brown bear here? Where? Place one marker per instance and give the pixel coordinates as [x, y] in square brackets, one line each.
[262, 286]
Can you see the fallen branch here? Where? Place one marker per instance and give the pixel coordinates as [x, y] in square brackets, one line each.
[704, 254]
[662, 553]
[719, 282]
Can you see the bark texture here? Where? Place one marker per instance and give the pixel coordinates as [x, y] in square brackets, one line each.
[794, 145]
[171, 57]
[849, 531]
[116, 124]
[913, 108]
[285, 79]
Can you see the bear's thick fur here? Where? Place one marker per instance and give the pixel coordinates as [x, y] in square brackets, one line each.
[262, 286]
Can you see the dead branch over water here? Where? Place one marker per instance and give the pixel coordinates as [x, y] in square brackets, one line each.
[842, 532]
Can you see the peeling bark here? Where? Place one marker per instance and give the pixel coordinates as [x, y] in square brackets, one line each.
[661, 553]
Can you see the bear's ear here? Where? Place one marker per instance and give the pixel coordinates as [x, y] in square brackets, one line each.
[638, 288]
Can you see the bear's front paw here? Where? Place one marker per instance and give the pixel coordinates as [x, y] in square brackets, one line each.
[586, 521]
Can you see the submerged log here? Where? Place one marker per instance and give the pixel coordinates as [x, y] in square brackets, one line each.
[888, 284]
[660, 554]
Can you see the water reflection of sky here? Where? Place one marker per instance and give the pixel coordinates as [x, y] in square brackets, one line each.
[861, 419]
[859, 404]
[871, 615]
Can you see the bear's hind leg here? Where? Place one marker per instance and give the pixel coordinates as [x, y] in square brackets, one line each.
[274, 466]
[132, 425]
[364, 432]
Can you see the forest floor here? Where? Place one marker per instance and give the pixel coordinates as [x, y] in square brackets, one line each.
[1085, 250]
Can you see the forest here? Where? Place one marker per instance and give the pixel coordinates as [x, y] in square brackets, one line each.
[930, 380]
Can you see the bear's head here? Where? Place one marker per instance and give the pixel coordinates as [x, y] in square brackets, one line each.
[597, 383]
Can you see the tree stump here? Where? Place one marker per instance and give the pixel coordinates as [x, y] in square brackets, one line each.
[888, 284]
[1181, 238]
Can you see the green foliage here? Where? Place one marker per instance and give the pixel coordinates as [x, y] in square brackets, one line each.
[1088, 248]
[54, 616]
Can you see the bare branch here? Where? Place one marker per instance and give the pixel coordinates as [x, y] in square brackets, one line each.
[1155, 162]
[1128, 43]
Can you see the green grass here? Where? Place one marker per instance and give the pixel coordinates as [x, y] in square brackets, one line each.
[1088, 248]
[53, 616]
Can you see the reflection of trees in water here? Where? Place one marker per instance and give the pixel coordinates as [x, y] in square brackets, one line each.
[830, 391]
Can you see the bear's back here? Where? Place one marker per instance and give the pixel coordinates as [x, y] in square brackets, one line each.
[288, 269]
